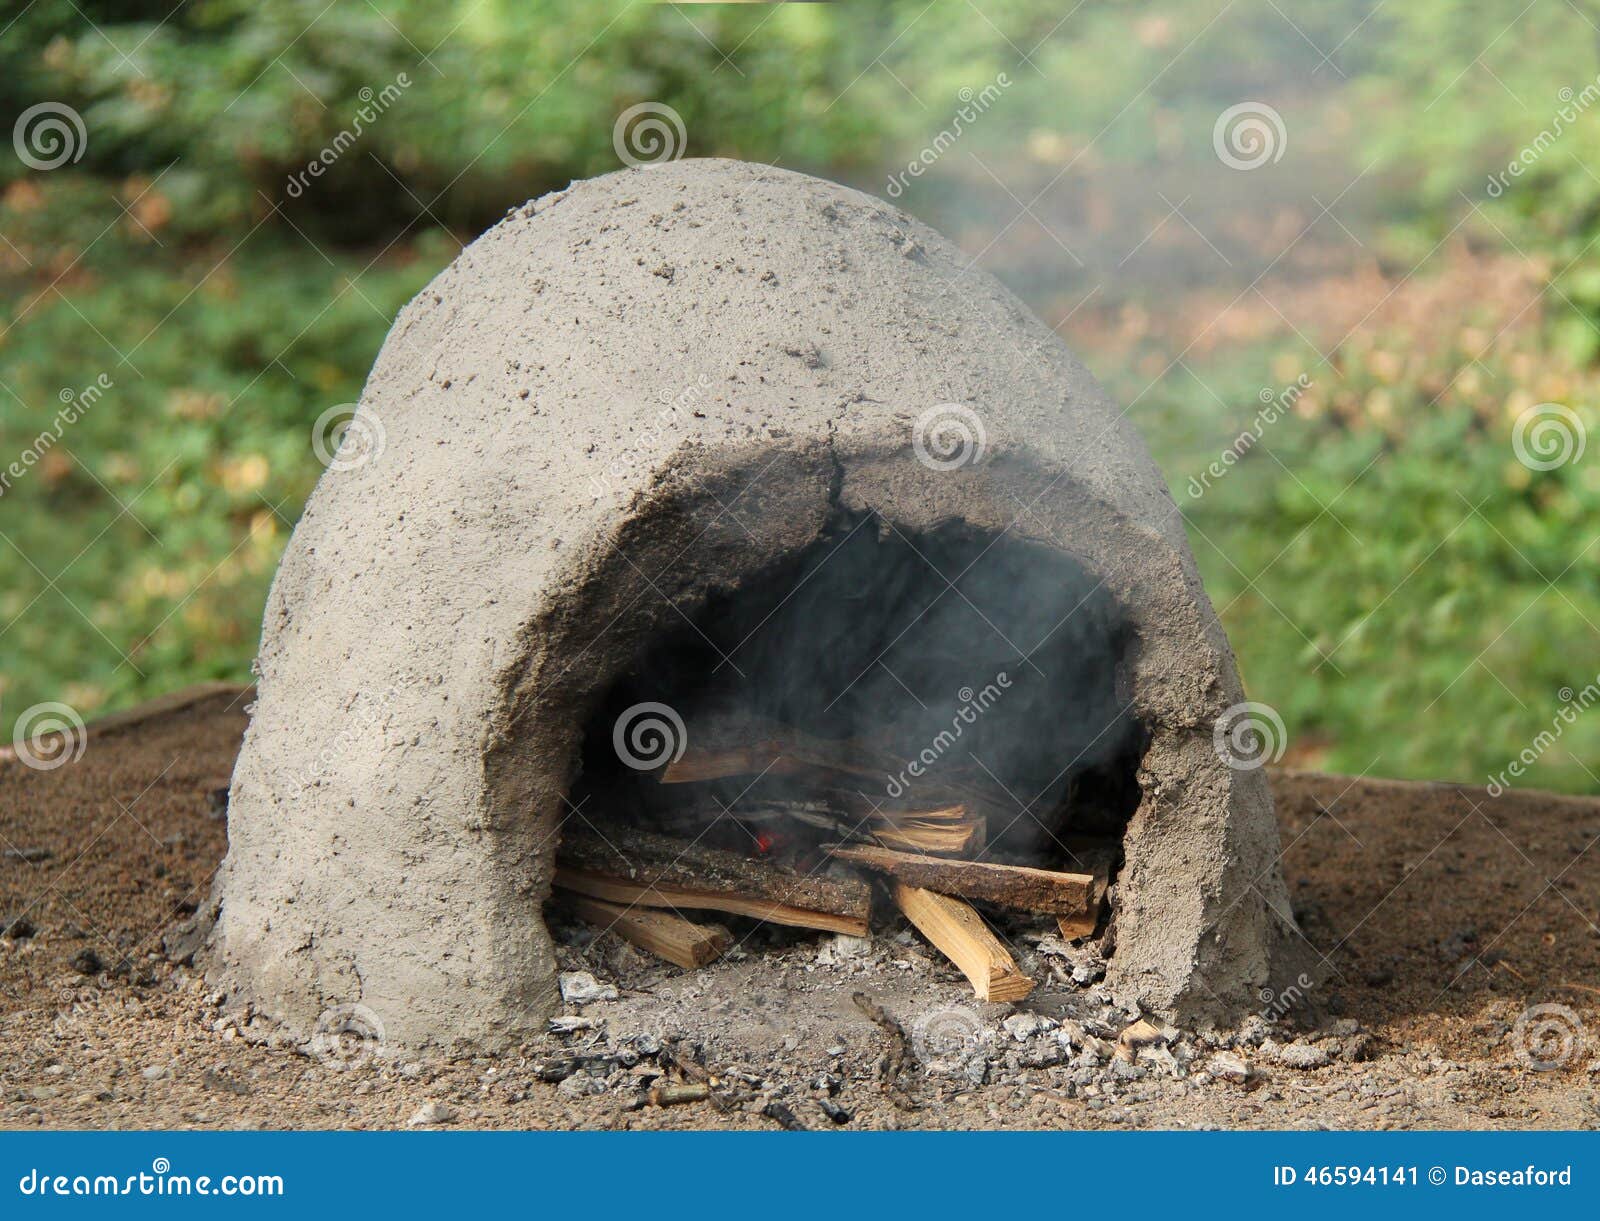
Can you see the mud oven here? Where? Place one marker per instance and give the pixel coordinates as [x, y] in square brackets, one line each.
[713, 545]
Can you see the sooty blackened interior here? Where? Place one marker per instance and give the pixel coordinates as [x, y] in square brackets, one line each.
[951, 694]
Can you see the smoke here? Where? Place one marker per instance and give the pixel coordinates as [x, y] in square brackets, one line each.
[959, 657]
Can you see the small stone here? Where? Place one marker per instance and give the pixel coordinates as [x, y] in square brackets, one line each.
[1095, 1050]
[976, 1069]
[1143, 1033]
[1041, 1055]
[87, 962]
[581, 1085]
[19, 929]
[842, 948]
[1023, 1026]
[572, 1025]
[1225, 1066]
[1253, 1029]
[580, 987]
[155, 1072]
[31, 856]
[1356, 1048]
[1304, 1056]
[431, 1114]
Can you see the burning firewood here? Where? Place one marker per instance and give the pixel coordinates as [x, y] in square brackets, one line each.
[960, 934]
[641, 867]
[665, 934]
[935, 814]
[1016, 886]
[948, 838]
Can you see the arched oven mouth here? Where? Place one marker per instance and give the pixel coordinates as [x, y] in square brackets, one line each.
[888, 726]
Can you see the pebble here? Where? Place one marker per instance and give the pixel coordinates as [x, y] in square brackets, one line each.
[1226, 1066]
[87, 962]
[842, 948]
[19, 929]
[581, 1085]
[1304, 1056]
[580, 987]
[155, 1072]
[572, 1025]
[1023, 1026]
[430, 1114]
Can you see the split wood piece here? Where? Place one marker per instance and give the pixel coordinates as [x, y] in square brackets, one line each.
[940, 814]
[960, 934]
[770, 750]
[1095, 857]
[620, 890]
[1018, 886]
[949, 839]
[636, 866]
[665, 934]
[782, 752]
[696, 814]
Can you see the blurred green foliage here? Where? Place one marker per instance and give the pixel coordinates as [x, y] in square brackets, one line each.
[1408, 595]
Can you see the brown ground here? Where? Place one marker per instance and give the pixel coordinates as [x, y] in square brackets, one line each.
[1443, 915]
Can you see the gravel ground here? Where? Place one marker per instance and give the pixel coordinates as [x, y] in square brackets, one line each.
[1444, 917]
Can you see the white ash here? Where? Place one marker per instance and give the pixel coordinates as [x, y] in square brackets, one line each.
[580, 987]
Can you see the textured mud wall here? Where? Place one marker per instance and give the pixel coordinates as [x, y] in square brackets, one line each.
[626, 394]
